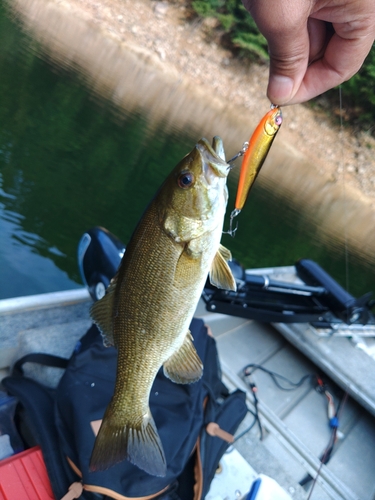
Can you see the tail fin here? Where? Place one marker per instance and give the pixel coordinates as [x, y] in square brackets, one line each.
[140, 444]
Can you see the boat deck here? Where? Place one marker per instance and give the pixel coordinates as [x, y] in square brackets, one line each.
[295, 423]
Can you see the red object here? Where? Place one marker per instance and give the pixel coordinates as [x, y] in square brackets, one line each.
[24, 476]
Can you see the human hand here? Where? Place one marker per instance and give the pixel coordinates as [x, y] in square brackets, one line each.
[313, 45]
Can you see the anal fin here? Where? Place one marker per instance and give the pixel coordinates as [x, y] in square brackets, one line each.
[184, 366]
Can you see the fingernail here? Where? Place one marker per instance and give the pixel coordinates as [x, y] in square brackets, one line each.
[280, 89]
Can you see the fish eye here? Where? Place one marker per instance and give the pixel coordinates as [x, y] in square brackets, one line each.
[185, 180]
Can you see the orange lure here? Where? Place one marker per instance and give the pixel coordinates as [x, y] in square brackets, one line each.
[256, 153]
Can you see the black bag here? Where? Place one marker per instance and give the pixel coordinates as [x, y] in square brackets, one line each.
[61, 421]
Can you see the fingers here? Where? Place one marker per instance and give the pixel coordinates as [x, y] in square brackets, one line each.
[320, 33]
[284, 25]
[313, 46]
[341, 60]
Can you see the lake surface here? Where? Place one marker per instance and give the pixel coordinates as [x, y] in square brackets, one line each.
[70, 160]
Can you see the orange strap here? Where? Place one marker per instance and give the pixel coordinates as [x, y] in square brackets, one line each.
[105, 491]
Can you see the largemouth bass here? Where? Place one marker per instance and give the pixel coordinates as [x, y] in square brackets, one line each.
[149, 304]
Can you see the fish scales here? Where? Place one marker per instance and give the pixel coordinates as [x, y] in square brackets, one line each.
[150, 303]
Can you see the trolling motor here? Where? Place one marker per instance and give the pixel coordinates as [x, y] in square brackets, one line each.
[344, 305]
[99, 255]
[320, 300]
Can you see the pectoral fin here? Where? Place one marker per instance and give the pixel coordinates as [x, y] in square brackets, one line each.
[220, 274]
[227, 255]
[102, 312]
[184, 366]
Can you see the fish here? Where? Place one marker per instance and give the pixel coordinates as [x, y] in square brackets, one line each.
[256, 153]
[150, 302]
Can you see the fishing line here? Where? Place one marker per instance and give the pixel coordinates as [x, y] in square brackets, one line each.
[332, 438]
[341, 136]
[328, 451]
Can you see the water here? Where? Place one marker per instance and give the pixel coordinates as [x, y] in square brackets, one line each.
[70, 160]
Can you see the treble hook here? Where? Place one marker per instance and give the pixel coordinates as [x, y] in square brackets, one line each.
[232, 231]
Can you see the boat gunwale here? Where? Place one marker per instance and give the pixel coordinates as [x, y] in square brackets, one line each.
[44, 300]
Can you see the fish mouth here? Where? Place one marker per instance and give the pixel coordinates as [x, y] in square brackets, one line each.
[214, 164]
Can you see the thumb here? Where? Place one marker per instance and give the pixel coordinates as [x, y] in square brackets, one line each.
[289, 59]
[284, 25]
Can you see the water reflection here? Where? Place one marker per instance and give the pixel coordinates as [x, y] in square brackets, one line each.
[69, 160]
[23, 269]
[66, 163]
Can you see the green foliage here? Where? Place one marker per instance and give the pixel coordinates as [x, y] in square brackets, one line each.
[206, 8]
[359, 93]
[237, 25]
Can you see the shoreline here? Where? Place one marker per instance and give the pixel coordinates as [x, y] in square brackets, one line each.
[197, 85]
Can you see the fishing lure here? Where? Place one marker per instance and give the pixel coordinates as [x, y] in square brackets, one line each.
[254, 157]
